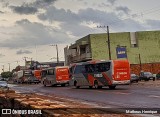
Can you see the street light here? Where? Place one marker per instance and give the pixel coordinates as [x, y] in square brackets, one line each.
[57, 52]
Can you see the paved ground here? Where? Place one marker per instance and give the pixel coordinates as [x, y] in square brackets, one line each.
[137, 95]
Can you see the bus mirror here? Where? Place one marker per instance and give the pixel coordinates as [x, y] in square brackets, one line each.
[70, 76]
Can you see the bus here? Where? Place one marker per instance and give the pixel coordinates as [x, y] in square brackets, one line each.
[100, 73]
[22, 76]
[37, 74]
[55, 76]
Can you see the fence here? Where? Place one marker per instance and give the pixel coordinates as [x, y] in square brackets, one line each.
[150, 67]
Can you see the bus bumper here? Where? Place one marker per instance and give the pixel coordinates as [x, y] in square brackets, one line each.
[63, 82]
[124, 82]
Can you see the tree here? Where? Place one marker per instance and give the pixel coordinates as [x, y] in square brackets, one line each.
[6, 74]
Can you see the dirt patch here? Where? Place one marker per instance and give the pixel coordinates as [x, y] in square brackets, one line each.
[52, 106]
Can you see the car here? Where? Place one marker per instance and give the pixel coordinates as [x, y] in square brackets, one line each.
[146, 76]
[33, 79]
[158, 76]
[3, 84]
[134, 78]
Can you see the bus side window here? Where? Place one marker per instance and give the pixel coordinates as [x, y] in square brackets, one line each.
[89, 68]
[102, 67]
[80, 69]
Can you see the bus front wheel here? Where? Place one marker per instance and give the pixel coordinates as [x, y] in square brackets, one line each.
[75, 84]
[44, 83]
[63, 85]
[96, 84]
[112, 86]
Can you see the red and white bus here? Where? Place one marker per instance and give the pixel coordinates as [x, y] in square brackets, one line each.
[37, 74]
[56, 76]
[100, 73]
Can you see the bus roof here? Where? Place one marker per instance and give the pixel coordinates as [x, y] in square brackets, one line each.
[98, 61]
[49, 68]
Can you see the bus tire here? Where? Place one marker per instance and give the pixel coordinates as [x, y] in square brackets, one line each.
[96, 84]
[90, 87]
[63, 85]
[44, 84]
[112, 86]
[75, 84]
[99, 87]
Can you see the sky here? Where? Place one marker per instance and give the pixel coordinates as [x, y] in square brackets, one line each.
[28, 28]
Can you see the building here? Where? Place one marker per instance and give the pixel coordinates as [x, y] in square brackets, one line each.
[141, 47]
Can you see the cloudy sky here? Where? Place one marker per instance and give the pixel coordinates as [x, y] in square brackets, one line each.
[29, 27]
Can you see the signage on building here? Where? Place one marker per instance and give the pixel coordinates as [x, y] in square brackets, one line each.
[121, 52]
[43, 66]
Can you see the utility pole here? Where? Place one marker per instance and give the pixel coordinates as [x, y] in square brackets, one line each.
[57, 52]
[3, 68]
[25, 61]
[108, 40]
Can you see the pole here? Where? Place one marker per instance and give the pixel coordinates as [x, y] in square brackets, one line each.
[25, 61]
[36, 51]
[140, 64]
[108, 40]
[3, 68]
[57, 54]
[109, 47]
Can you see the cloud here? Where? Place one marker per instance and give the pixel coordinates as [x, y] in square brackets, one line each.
[123, 9]
[24, 9]
[32, 7]
[103, 5]
[1, 12]
[26, 33]
[72, 25]
[112, 2]
[153, 24]
[71, 21]
[23, 52]
[1, 55]
[42, 3]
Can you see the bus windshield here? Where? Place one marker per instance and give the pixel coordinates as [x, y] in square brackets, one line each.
[91, 68]
[47, 72]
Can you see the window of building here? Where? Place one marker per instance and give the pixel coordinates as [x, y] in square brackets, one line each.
[134, 45]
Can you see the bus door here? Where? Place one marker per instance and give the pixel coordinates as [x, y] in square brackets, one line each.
[80, 75]
[51, 76]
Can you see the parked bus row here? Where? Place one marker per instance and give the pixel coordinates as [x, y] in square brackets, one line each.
[95, 74]
[27, 76]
